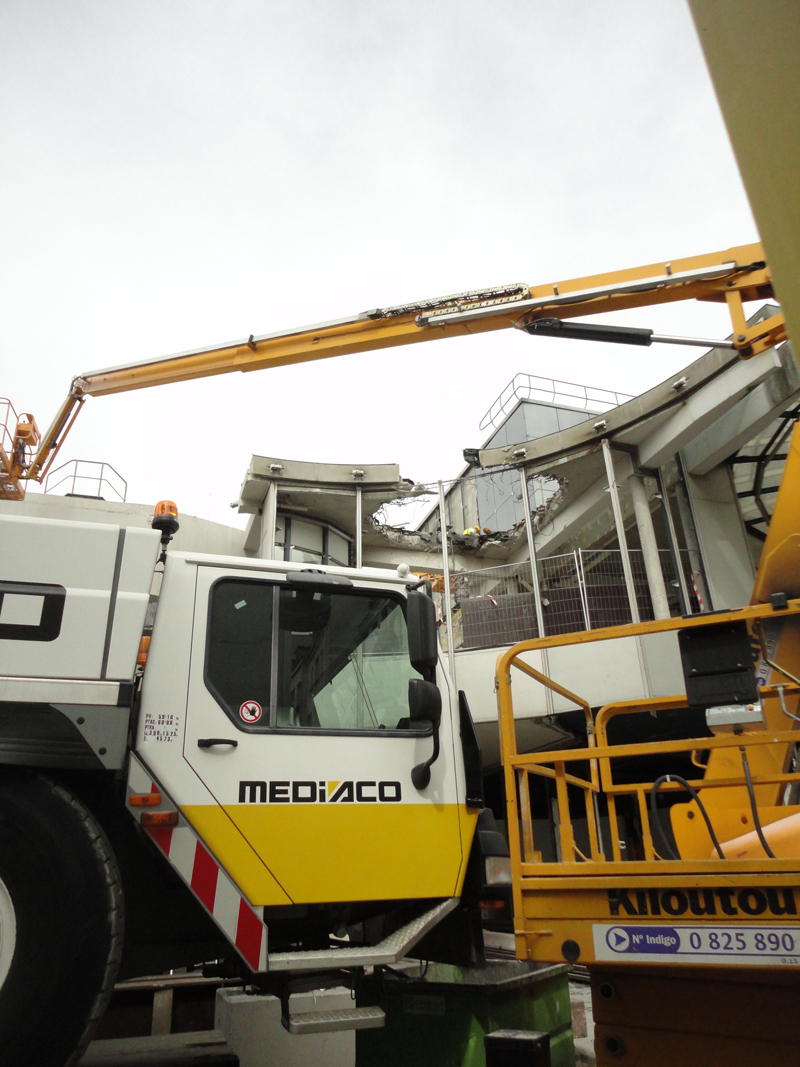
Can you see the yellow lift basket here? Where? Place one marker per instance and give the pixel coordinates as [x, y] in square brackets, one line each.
[627, 902]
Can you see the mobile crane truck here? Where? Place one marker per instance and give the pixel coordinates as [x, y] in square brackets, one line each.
[229, 798]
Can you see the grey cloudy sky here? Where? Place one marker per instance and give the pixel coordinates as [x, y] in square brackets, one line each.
[182, 172]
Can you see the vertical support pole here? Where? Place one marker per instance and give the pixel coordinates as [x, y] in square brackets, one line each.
[647, 536]
[598, 824]
[525, 816]
[161, 1022]
[582, 586]
[508, 751]
[275, 657]
[613, 823]
[448, 602]
[565, 822]
[696, 562]
[644, 817]
[623, 544]
[674, 547]
[358, 528]
[269, 520]
[537, 592]
[593, 824]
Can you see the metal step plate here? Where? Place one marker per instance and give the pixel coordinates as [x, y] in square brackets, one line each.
[325, 1022]
[206, 1048]
[389, 951]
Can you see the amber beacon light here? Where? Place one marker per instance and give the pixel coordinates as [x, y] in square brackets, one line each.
[165, 519]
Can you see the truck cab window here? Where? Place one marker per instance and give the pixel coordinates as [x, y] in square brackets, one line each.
[340, 659]
[239, 654]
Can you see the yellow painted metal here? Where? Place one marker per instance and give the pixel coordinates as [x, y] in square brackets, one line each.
[752, 53]
[556, 902]
[368, 335]
[235, 855]
[12, 487]
[748, 279]
[691, 835]
[349, 851]
[607, 633]
[19, 440]
[779, 568]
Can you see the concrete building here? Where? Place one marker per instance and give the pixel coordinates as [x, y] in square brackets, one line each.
[654, 507]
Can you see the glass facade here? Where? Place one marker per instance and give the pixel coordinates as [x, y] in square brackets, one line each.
[494, 496]
[300, 540]
[499, 499]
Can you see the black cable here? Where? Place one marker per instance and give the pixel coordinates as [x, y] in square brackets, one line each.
[753, 808]
[656, 816]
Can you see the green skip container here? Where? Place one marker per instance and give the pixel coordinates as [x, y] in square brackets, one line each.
[438, 1017]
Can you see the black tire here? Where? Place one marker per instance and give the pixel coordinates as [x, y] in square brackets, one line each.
[58, 873]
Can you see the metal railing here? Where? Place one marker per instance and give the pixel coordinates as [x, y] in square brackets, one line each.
[600, 751]
[8, 422]
[14, 452]
[78, 477]
[551, 391]
[613, 849]
[580, 590]
[495, 606]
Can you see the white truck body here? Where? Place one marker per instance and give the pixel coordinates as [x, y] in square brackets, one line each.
[106, 573]
[283, 808]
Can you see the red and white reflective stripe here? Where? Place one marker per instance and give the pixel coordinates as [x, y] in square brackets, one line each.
[697, 593]
[241, 923]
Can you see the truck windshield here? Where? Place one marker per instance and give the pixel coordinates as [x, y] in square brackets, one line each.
[279, 657]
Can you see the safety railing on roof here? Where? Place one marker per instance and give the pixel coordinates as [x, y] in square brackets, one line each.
[86, 477]
[551, 391]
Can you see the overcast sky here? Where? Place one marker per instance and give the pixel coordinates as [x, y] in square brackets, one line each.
[182, 172]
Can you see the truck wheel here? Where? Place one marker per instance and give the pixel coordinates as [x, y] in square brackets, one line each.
[61, 922]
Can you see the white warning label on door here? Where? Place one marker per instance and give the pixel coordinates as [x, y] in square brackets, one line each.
[747, 946]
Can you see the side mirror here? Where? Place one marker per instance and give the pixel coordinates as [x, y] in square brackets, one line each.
[424, 702]
[423, 644]
[425, 705]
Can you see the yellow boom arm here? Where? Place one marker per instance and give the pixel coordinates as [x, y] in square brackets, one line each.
[734, 275]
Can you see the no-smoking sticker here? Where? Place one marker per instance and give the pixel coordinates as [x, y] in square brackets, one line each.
[250, 711]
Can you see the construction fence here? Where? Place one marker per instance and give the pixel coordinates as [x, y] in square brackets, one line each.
[580, 590]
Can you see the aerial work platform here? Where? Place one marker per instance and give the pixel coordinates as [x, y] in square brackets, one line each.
[679, 889]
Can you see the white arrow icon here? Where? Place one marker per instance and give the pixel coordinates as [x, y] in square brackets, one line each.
[618, 939]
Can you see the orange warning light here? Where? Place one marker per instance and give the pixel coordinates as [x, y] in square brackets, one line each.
[165, 519]
[145, 800]
[144, 648]
[159, 818]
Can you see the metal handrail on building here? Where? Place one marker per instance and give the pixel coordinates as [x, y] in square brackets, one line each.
[551, 391]
[86, 474]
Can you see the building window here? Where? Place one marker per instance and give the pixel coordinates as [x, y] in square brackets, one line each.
[304, 541]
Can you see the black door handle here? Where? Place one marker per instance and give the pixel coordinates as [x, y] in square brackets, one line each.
[209, 742]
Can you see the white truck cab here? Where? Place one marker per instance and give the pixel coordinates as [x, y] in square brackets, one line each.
[290, 746]
[275, 711]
